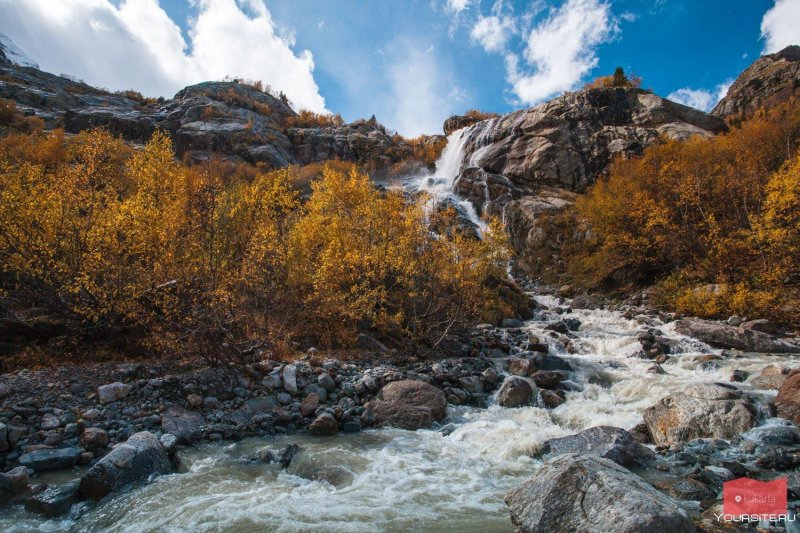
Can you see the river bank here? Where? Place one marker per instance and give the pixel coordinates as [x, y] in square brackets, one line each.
[451, 475]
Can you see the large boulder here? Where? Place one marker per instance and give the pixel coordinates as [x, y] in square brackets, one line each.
[699, 411]
[603, 441]
[722, 335]
[788, 400]
[408, 404]
[515, 392]
[133, 461]
[184, 424]
[591, 494]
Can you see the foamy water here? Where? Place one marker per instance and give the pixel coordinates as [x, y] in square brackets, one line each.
[439, 185]
[398, 480]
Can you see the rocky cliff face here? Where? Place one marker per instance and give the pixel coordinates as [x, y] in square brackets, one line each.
[229, 119]
[528, 165]
[770, 79]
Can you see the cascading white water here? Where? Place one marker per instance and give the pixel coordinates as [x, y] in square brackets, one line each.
[439, 186]
[397, 480]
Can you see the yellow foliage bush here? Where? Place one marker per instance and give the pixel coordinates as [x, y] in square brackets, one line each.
[309, 119]
[208, 260]
[690, 214]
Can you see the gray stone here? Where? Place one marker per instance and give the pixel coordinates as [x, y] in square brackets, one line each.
[699, 411]
[591, 494]
[324, 425]
[55, 459]
[603, 441]
[113, 392]
[169, 442]
[55, 501]
[184, 424]
[721, 335]
[515, 392]
[94, 438]
[408, 404]
[49, 421]
[326, 382]
[290, 379]
[134, 461]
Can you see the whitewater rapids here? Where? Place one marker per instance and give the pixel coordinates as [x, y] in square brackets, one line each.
[398, 480]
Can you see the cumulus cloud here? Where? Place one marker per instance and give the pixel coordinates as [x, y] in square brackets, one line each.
[137, 46]
[561, 49]
[780, 26]
[457, 6]
[493, 32]
[701, 99]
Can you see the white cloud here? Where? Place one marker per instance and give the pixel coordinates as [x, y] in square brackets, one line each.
[701, 99]
[137, 46]
[457, 6]
[420, 95]
[780, 26]
[561, 50]
[493, 32]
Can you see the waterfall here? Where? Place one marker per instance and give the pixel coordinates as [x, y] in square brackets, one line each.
[440, 185]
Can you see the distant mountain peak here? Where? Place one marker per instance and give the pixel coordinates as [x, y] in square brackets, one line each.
[11, 53]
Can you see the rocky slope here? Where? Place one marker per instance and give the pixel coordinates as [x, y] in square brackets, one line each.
[770, 79]
[230, 119]
[529, 164]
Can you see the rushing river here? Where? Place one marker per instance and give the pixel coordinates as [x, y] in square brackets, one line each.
[397, 480]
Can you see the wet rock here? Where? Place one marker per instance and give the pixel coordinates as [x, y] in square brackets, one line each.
[408, 404]
[13, 484]
[547, 379]
[558, 327]
[134, 461]
[490, 376]
[263, 456]
[587, 493]
[721, 335]
[351, 425]
[520, 367]
[788, 399]
[771, 377]
[55, 501]
[640, 433]
[515, 392]
[184, 424]
[551, 362]
[551, 399]
[288, 454]
[609, 442]
[94, 438]
[700, 411]
[55, 459]
[739, 376]
[113, 392]
[324, 425]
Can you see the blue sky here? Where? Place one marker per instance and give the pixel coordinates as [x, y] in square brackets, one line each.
[411, 63]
